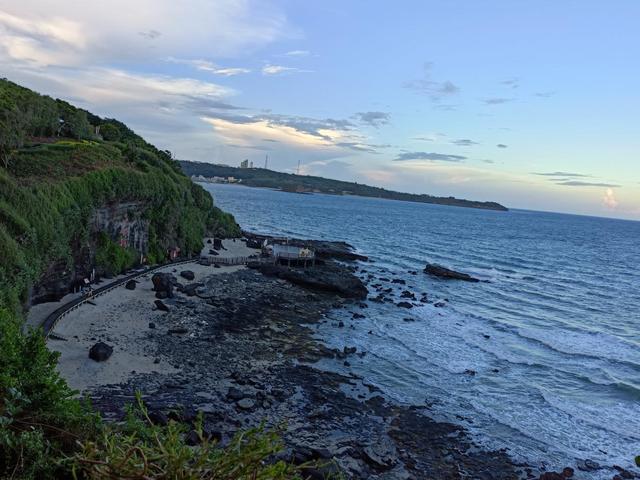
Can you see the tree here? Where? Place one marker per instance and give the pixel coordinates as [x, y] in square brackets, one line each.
[110, 132]
[11, 134]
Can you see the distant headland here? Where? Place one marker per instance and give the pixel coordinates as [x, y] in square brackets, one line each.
[262, 177]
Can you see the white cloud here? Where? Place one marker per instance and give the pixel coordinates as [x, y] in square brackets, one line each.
[297, 53]
[609, 199]
[271, 70]
[83, 33]
[207, 66]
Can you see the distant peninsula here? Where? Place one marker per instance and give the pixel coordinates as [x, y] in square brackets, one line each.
[262, 177]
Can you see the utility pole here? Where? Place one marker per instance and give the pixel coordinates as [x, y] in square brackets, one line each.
[298, 169]
[266, 161]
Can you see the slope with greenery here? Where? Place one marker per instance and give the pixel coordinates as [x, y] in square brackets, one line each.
[261, 177]
[58, 164]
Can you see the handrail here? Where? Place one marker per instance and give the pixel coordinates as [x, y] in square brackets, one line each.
[54, 317]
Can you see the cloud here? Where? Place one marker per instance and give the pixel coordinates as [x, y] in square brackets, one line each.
[511, 82]
[97, 33]
[429, 137]
[577, 183]
[502, 145]
[331, 135]
[207, 66]
[272, 70]
[464, 142]
[544, 94]
[150, 34]
[373, 119]
[435, 157]
[297, 53]
[497, 100]
[561, 174]
[609, 199]
[436, 90]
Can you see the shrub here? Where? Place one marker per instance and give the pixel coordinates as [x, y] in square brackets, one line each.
[141, 450]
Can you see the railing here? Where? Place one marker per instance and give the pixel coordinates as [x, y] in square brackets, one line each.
[54, 317]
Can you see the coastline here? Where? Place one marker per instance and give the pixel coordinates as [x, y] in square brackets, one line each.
[245, 352]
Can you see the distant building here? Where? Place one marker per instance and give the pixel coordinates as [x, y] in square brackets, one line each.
[244, 164]
[251, 165]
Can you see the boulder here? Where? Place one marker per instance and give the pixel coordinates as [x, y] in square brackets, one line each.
[235, 394]
[100, 352]
[442, 272]
[163, 282]
[161, 305]
[130, 285]
[188, 275]
[246, 403]
[404, 305]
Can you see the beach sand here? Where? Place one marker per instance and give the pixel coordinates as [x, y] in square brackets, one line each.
[121, 319]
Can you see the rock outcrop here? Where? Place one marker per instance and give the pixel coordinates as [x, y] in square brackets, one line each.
[442, 272]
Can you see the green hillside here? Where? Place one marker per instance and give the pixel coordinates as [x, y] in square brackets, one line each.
[58, 164]
[260, 177]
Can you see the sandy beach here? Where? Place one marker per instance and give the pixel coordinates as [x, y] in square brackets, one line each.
[121, 318]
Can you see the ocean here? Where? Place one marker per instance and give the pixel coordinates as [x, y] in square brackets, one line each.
[552, 332]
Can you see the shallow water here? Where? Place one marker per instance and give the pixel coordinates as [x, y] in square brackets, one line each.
[558, 378]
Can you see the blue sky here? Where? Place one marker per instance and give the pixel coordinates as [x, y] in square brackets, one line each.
[532, 104]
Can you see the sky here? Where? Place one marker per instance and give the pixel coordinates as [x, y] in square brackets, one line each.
[533, 104]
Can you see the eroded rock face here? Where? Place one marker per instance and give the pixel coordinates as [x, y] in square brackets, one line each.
[121, 222]
[442, 272]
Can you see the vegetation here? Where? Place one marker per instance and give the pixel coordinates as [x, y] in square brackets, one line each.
[58, 164]
[261, 177]
[141, 450]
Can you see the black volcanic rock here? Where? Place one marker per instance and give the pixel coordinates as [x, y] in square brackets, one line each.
[130, 285]
[100, 352]
[161, 305]
[163, 282]
[329, 278]
[442, 272]
[188, 275]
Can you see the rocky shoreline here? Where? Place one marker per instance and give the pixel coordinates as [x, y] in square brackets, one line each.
[242, 352]
[240, 346]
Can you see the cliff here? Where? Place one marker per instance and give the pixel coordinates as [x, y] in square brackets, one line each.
[261, 177]
[82, 195]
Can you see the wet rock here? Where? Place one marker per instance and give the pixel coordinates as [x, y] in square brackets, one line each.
[470, 372]
[100, 352]
[440, 304]
[349, 350]
[381, 454]
[158, 418]
[177, 331]
[587, 465]
[152, 325]
[404, 305]
[235, 394]
[188, 275]
[161, 295]
[246, 403]
[328, 278]
[192, 438]
[356, 316]
[341, 324]
[163, 282]
[160, 305]
[399, 281]
[625, 474]
[408, 294]
[442, 272]
[130, 285]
